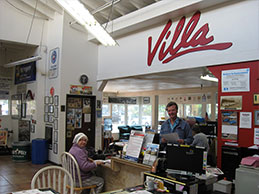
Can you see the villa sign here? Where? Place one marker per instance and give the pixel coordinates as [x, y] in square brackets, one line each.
[189, 41]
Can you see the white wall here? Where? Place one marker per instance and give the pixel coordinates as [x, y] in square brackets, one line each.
[236, 23]
[15, 25]
[78, 57]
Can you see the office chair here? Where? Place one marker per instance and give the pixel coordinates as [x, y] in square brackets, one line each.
[53, 177]
[70, 164]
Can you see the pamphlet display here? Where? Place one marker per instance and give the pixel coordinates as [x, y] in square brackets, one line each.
[151, 153]
[134, 145]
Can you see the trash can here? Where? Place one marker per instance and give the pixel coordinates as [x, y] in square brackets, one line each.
[39, 151]
[21, 151]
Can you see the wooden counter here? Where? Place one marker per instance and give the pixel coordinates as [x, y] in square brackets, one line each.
[122, 174]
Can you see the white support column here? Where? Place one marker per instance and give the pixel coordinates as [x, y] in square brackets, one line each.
[155, 101]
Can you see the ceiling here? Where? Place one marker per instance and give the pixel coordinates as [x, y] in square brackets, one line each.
[188, 78]
[126, 16]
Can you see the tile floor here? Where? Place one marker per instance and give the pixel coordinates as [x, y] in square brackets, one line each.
[16, 176]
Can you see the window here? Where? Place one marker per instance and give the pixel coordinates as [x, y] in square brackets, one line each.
[133, 115]
[217, 109]
[192, 110]
[4, 107]
[118, 116]
[146, 115]
[161, 112]
[106, 110]
[208, 110]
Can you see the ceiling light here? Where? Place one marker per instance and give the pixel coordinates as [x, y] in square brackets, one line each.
[78, 11]
[209, 78]
[23, 61]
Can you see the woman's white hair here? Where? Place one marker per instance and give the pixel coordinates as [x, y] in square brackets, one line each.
[79, 136]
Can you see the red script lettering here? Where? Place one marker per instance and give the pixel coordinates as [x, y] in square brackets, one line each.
[197, 42]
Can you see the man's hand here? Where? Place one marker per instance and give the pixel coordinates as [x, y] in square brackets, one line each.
[180, 141]
[163, 140]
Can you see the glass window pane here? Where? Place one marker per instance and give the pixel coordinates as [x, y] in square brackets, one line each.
[193, 110]
[216, 114]
[146, 115]
[180, 110]
[118, 114]
[4, 108]
[161, 112]
[208, 110]
[105, 110]
[133, 115]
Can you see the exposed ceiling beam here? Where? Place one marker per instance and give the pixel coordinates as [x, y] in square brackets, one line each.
[156, 13]
[105, 6]
[51, 4]
[41, 8]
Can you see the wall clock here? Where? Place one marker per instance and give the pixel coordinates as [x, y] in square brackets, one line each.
[83, 79]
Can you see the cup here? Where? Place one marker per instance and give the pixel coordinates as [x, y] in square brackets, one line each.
[149, 185]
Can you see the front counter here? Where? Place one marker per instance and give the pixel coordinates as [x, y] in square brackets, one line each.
[173, 184]
[122, 174]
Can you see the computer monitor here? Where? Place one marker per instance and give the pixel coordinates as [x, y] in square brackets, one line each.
[156, 138]
[188, 159]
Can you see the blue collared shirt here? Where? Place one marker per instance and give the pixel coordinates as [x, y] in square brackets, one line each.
[181, 127]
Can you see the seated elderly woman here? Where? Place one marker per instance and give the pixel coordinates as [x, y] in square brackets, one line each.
[85, 163]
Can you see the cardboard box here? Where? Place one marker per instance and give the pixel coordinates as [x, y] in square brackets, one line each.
[250, 161]
[223, 186]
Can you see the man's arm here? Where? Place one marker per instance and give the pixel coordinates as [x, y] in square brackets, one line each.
[188, 131]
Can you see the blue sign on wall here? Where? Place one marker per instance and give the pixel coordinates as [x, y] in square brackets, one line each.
[25, 72]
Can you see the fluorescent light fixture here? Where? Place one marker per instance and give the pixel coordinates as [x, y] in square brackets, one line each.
[23, 61]
[78, 11]
[208, 78]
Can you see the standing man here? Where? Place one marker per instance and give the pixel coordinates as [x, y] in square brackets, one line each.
[176, 125]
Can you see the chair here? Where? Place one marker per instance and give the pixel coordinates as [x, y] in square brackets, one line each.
[70, 164]
[53, 177]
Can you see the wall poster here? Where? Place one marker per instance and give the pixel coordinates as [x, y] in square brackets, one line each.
[236, 80]
[25, 73]
[78, 118]
[256, 116]
[245, 120]
[71, 119]
[230, 102]
[229, 125]
[24, 130]
[74, 103]
[256, 136]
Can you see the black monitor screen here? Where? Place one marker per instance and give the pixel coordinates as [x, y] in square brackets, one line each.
[186, 158]
[156, 138]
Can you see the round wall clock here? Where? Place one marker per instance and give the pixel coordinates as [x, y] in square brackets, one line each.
[83, 79]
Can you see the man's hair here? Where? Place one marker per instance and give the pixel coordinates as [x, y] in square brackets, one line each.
[171, 104]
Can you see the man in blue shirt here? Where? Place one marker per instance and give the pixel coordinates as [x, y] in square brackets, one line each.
[176, 125]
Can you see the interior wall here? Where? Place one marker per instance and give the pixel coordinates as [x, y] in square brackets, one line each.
[245, 136]
[79, 57]
[17, 24]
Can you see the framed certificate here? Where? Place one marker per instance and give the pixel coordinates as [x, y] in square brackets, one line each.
[55, 124]
[46, 99]
[56, 100]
